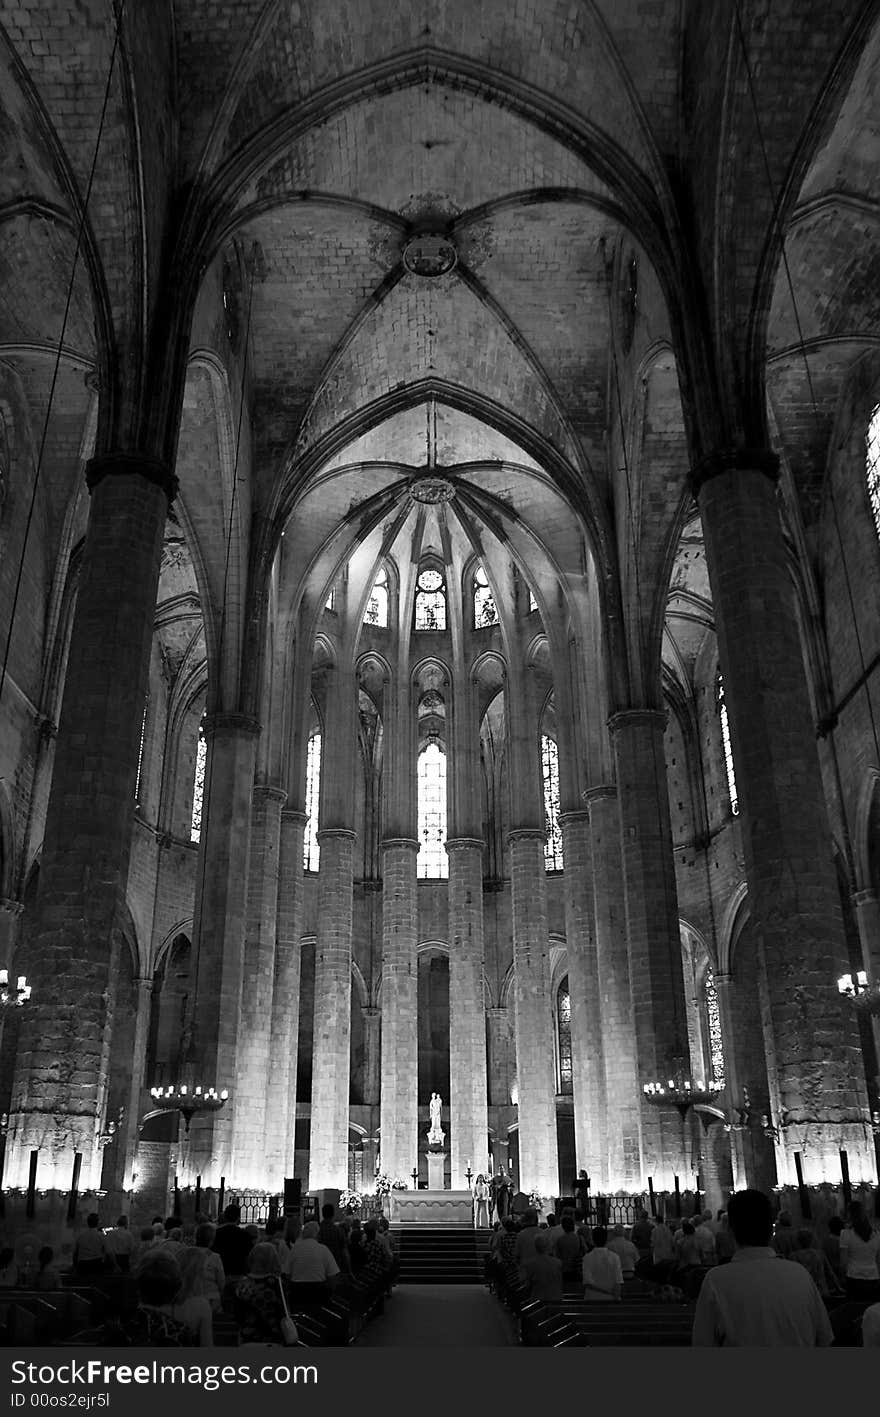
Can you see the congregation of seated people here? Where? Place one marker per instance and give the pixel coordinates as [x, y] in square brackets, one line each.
[203, 1284]
[567, 1265]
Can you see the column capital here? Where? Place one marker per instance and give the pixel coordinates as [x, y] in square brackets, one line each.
[576, 817]
[866, 897]
[371, 1011]
[637, 718]
[144, 983]
[266, 792]
[217, 725]
[11, 907]
[499, 1012]
[390, 842]
[602, 792]
[295, 815]
[462, 843]
[725, 460]
[124, 464]
[525, 834]
[336, 834]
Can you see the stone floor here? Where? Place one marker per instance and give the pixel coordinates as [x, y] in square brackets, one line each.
[441, 1316]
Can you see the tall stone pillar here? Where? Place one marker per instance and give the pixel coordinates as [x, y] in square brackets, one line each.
[331, 1059]
[250, 1149]
[587, 1062]
[134, 1106]
[10, 916]
[210, 1053]
[281, 1078]
[372, 1054]
[793, 888]
[60, 1088]
[623, 1168]
[502, 1062]
[468, 1104]
[538, 1151]
[399, 1088]
[652, 924]
[867, 908]
[740, 1151]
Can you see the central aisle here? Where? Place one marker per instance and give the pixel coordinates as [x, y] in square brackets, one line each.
[441, 1316]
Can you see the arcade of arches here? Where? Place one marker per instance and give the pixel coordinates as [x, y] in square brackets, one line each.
[439, 582]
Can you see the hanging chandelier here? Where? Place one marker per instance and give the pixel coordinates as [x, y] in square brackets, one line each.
[681, 1091]
[188, 1101]
[17, 996]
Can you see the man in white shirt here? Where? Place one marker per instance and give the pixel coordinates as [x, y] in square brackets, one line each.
[601, 1269]
[310, 1266]
[625, 1251]
[120, 1244]
[758, 1300]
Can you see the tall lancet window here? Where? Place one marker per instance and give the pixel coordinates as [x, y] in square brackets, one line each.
[311, 850]
[430, 601]
[377, 606]
[432, 860]
[872, 466]
[713, 1015]
[552, 825]
[485, 610]
[195, 831]
[728, 750]
[138, 782]
[563, 1038]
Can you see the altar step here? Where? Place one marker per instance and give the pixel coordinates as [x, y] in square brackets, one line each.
[449, 1254]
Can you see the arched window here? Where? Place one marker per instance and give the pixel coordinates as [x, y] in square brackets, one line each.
[432, 862]
[430, 601]
[330, 602]
[377, 605]
[728, 750]
[140, 767]
[533, 604]
[872, 465]
[563, 1038]
[311, 850]
[552, 826]
[716, 1048]
[485, 610]
[195, 832]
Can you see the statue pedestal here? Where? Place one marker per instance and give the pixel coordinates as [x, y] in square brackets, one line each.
[432, 1208]
[436, 1170]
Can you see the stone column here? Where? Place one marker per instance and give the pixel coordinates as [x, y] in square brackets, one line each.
[400, 1072]
[331, 1059]
[60, 1086]
[623, 1169]
[372, 1055]
[793, 889]
[740, 1152]
[136, 1101]
[468, 1105]
[587, 1061]
[251, 1144]
[652, 924]
[210, 1052]
[867, 908]
[538, 1152]
[502, 1065]
[10, 916]
[281, 1079]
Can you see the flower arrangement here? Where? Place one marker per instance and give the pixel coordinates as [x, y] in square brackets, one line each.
[398, 1185]
[351, 1201]
[383, 1184]
[536, 1201]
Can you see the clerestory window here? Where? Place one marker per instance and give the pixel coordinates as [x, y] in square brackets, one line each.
[728, 749]
[563, 1038]
[430, 601]
[552, 824]
[195, 832]
[311, 849]
[432, 860]
[872, 466]
[713, 1015]
[377, 606]
[485, 610]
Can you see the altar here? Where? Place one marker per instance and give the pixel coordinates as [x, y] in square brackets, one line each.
[432, 1208]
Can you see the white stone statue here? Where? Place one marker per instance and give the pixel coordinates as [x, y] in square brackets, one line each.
[435, 1107]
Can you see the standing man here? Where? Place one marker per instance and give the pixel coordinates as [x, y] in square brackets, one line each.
[758, 1300]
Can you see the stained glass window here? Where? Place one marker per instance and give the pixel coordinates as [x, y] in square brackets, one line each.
[311, 850]
[377, 605]
[533, 604]
[872, 465]
[728, 750]
[552, 825]
[330, 602]
[716, 1049]
[563, 1031]
[432, 859]
[431, 601]
[140, 767]
[485, 611]
[195, 833]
